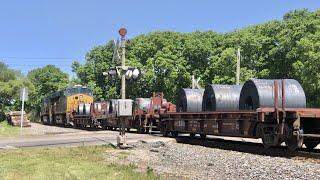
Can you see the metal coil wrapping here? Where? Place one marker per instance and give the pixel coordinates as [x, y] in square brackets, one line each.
[81, 108]
[97, 106]
[221, 97]
[113, 106]
[143, 103]
[87, 109]
[258, 93]
[190, 100]
[105, 107]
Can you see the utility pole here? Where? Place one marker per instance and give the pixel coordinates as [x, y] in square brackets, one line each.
[122, 131]
[122, 33]
[238, 67]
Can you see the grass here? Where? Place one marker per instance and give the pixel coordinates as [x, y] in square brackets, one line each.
[8, 130]
[85, 162]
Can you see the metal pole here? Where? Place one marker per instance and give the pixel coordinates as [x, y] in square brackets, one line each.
[22, 109]
[238, 67]
[276, 99]
[123, 63]
[283, 105]
[122, 132]
[193, 82]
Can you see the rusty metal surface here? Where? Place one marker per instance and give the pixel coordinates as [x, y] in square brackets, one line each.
[303, 112]
[221, 97]
[143, 103]
[260, 93]
[190, 100]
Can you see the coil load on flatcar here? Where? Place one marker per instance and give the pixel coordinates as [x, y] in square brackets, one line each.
[218, 97]
[190, 100]
[258, 93]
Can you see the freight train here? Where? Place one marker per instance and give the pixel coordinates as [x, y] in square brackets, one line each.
[273, 110]
[75, 107]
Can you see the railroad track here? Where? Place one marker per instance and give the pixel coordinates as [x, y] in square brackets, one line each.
[254, 148]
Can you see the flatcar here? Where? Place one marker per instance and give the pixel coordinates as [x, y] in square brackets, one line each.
[58, 108]
[145, 114]
[273, 110]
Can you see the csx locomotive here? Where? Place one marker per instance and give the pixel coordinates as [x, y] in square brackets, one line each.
[58, 108]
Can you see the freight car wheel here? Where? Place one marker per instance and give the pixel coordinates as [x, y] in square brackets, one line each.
[165, 133]
[265, 144]
[174, 134]
[294, 143]
[203, 136]
[269, 141]
[311, 144]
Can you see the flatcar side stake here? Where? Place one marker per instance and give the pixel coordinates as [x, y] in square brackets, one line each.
[283, 105]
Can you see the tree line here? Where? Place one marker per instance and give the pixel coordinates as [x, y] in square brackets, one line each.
[287, 48]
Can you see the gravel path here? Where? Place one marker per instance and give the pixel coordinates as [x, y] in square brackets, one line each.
[184, 161]
[40, 129]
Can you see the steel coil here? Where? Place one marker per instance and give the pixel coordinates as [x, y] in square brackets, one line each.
[113, 106]
[105, 107]
[190, 100]
[87, 109]
[143, 103]
[97, 106]
[221, 97]
[258, 93]
[81, 108]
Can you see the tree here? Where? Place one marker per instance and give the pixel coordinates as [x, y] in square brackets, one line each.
[11, 82]
[46, 81]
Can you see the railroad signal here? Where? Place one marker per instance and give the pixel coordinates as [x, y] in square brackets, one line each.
[125, 73]
[135, 73]
[129, 72]
[132, 73]
[122, 32]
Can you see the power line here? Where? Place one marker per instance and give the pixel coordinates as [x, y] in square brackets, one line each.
[41, 58]
[22, 65]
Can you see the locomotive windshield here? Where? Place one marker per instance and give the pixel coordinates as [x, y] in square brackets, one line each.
[78, 90]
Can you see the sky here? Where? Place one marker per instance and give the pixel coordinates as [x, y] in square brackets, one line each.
[35, 33]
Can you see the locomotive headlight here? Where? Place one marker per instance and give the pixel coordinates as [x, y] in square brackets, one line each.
[135, 73]
[128, 74]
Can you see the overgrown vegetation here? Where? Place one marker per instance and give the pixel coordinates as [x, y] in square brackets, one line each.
[64, 163]
[46, 80]
[10, 83]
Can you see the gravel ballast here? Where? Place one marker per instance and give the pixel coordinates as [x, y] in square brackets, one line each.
[177, 160]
